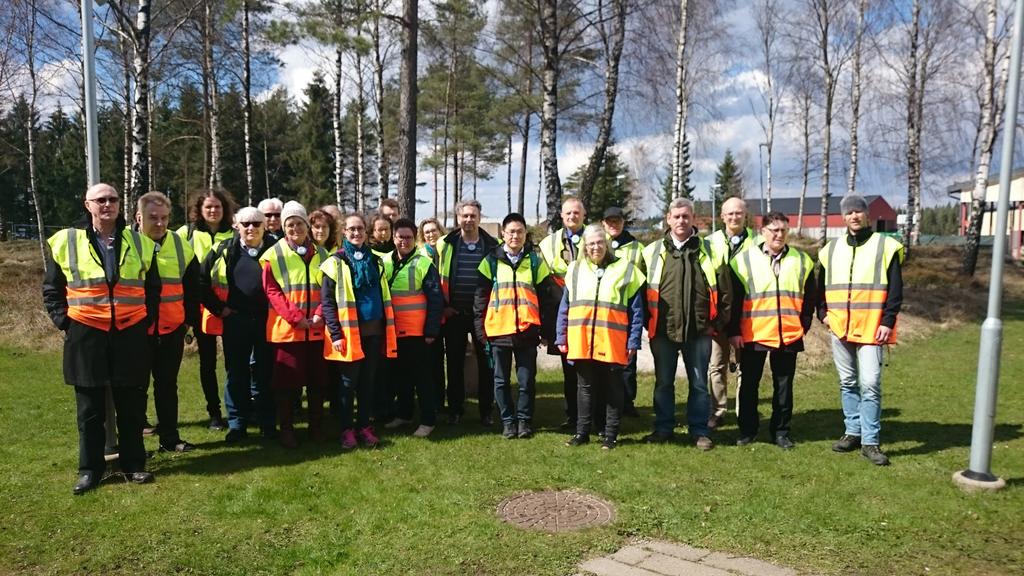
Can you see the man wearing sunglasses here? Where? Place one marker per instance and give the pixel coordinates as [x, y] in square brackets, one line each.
[98, 288]
[271, 210]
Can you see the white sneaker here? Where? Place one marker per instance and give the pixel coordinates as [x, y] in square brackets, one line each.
[423, 431]
[397, 423]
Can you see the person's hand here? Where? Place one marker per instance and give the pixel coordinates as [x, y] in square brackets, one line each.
[544, 342]
[429, 340]
[449, 312]
[632, 354]
[882, 334]
[317, 322]
[339, 346]
[736, 342]
[225, 312]
[825, 322]
[563, 349]
[303, 324]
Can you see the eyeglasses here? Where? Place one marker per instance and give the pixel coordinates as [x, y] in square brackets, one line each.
[776, 231]
[355, 229]
[271, 214]
[105, 200]
[250, 224]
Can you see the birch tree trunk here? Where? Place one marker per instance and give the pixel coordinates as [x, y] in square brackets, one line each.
[830, 70]
[805, 111]
[336, 127]
[913, 133]
[767, 15]
[407, 110]
[549, 115]
[508, 179]
[682, 102]
[378, 101]
[613, 54]
[851, 183]
[247, 102]
[140, 113]
[126, 128]
[986, 142]
[210, 73]
[360, 140]
[30, 128]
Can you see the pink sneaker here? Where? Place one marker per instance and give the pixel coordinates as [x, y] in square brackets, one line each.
[348, 439]
[368, 437]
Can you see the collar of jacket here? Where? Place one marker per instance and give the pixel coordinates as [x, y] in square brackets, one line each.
[691, 243]
[624, 238]
[455, 236]
[860, 237]
[499, 253]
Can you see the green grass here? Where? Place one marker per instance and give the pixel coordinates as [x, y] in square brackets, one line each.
[428, 507]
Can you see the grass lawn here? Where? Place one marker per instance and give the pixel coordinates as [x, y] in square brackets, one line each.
[428, 507]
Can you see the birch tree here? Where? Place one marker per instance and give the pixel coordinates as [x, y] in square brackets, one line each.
[858, 55]
[766, 16]
[682, 101]
[30, 124]
[407, 109]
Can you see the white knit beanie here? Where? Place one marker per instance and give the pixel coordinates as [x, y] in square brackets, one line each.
[293, 209]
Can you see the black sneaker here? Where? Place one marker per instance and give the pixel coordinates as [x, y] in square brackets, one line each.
[217, 424]
[846, 443]
[236, 435]
[524, 430]
[508, 430]
[578, 440]
[608, 443]
[657, 437]
[872, 453]
[745, 441]
[784, 442]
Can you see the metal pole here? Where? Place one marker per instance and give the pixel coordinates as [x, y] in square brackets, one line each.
[979, 473]
[92, 163]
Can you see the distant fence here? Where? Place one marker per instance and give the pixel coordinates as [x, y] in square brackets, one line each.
[27, 231]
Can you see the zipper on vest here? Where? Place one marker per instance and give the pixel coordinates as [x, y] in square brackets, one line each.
[778, 307]
[593, 324]
[849, 290]
[309, 294]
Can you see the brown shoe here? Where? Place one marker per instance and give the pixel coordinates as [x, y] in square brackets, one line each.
[704, 443]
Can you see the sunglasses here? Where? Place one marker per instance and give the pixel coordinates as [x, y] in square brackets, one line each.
[105, 200]
[250, 224]
[271, 214]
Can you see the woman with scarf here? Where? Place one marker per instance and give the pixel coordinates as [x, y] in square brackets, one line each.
[361, 327]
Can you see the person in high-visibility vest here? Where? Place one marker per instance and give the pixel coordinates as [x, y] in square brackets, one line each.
[210, 218]
[599, 326]
[461, 252]
[360, 321]
[231, 287]
[178, 309]
[515, 295]
[98, 288]
[295, 325]
[271, 210]
[861, 283]
[430, 232]
[689, 297]
[624, 245]
[734, 237]
[416, 298]
[775, 295]
[559, 249]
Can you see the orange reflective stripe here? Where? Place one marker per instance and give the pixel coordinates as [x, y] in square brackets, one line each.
[855, 308]
[514, 305]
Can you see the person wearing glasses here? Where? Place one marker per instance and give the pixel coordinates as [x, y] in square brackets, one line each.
[99, 287]
[271, 210]
[356, 303]
[210, 219]
[231, 285]
[430, 232]
[600, 323]
[775, 295]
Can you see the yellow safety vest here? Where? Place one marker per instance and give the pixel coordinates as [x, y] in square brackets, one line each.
[300, 283]
[599, 309]
[772, 305]
[173, 256]
[857, 284]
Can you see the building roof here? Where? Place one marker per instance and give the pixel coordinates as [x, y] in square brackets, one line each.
[812, 205]
[968, 185]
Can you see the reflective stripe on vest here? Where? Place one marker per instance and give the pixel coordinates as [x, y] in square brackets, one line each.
[172, 264]
[654, 259]
[202, 243]
[348, 314]
[598, 310]
[407, 297]
[551, 249]
[300, 282]
[514, 305]
[211, 324]
[856, 286]
[772, 305]
[721, 247]
[91, 300]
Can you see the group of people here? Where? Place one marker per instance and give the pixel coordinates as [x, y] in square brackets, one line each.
[367, 313]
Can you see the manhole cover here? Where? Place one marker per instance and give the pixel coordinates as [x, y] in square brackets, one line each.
[556, 511]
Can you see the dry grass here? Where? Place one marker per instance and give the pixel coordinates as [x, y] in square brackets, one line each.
[23, 321]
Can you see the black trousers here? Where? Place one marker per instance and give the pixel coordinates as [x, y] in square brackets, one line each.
[629, 380]
[409, 373]
[164, 360]
[129, 406]
[208, 371]
[455, 331]
[783, 370]
[569, 378]
[600, 389]
[435, 361]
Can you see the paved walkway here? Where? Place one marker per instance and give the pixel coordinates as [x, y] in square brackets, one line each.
[659, 558]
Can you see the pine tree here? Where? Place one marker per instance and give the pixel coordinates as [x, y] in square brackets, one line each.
[728, 179]
[613, 187]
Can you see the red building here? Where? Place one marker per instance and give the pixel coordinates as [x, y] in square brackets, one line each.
[880, 213]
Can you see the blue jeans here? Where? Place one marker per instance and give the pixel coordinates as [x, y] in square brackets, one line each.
[696, 356]
[247, 395]
[526, 376]
[860, 388]
[357, 383]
